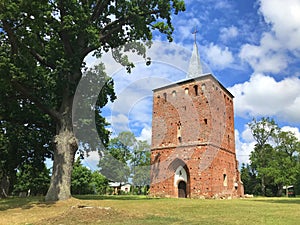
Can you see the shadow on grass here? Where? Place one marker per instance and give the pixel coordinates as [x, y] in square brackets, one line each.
[112, 197]
[279, 200]
[23, 203]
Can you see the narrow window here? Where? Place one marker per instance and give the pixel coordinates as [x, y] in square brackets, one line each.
[196, 89]
[179, 139]
[225, 179]
[165, 96]
[205, 121]
[179, 132]
[174, 93]
[203, 87]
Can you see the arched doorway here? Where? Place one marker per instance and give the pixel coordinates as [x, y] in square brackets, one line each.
[181, 189]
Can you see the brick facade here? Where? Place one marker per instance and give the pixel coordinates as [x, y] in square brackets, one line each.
[193, 145]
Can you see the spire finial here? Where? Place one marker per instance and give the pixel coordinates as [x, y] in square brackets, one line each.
[195, 34]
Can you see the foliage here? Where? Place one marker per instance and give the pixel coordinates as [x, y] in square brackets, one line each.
[126, 157]
[42, 48]
[32, 179]
[84, 181]
[141, 164]
[22, 145]
[113, 163]
[274, 160]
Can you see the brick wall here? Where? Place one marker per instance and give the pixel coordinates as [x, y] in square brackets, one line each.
[193, 126]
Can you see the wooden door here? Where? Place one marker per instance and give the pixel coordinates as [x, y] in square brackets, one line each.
[182, 189]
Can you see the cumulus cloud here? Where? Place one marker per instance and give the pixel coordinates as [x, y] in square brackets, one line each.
[243, 148]
[227, 33]
[284, 17]
[272, 53]
[218, 57]
[146, 134]
[264, 96]
[269, 56]
[294, 130]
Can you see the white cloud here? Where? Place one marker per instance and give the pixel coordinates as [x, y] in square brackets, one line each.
[294, 130]
[119, 123]
[272, 53]
[269, 56]
[264, 96]
[284, 17]
[217, 57]
[222, 4]
[91, 160]
[227, 33]
[146, 134]
[243, 148]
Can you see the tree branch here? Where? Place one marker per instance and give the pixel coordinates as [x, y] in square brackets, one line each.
[41, 59]
[99, 7]
[64, 35]
[27, 94]
[11, 36]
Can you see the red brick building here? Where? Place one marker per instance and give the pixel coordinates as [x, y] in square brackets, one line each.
[193, 145]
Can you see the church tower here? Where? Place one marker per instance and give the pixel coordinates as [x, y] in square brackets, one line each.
[193, 146]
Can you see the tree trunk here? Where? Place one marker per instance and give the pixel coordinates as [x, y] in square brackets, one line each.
[263, 186]
[4, 185]
[65, 148]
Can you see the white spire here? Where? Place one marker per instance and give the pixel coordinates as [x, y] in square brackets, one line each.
[195, 68]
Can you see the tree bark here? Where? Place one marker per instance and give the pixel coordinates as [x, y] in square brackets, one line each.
[4, 186]
[66, 146]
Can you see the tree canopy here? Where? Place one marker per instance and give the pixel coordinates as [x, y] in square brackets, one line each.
[275, 161]
[42, 49]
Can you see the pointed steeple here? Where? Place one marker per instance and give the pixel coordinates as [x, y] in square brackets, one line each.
[195, 68]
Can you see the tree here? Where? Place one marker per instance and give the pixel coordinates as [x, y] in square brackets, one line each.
[141, 164]
[275, 156]
[21, 145]
[81, 179]
[286, 166]
[115, 160]
[262, 131]
[43, 45]
[250, 181]
[100, 183]
[84, 181]
[33, 178]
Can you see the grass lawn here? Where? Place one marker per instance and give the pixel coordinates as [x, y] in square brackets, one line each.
[135, 210]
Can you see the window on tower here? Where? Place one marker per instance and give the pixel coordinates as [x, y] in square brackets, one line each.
[225, 179]
[203, 87]
[165, 96]
[196, 89]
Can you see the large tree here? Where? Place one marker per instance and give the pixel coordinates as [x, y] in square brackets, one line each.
[44, 43]
[275, 158]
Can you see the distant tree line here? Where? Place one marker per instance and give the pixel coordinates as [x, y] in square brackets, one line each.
[125, 159]
[274, 161]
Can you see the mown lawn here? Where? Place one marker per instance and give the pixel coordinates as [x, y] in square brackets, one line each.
[136, 210]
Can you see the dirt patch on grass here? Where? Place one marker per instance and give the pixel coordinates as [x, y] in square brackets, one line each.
[82, 214]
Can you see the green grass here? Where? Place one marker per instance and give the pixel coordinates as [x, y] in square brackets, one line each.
[138, 210]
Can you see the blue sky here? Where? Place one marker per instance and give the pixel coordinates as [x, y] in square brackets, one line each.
[251, 47]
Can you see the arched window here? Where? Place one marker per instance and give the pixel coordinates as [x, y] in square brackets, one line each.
[196, 89]
[186, 91]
